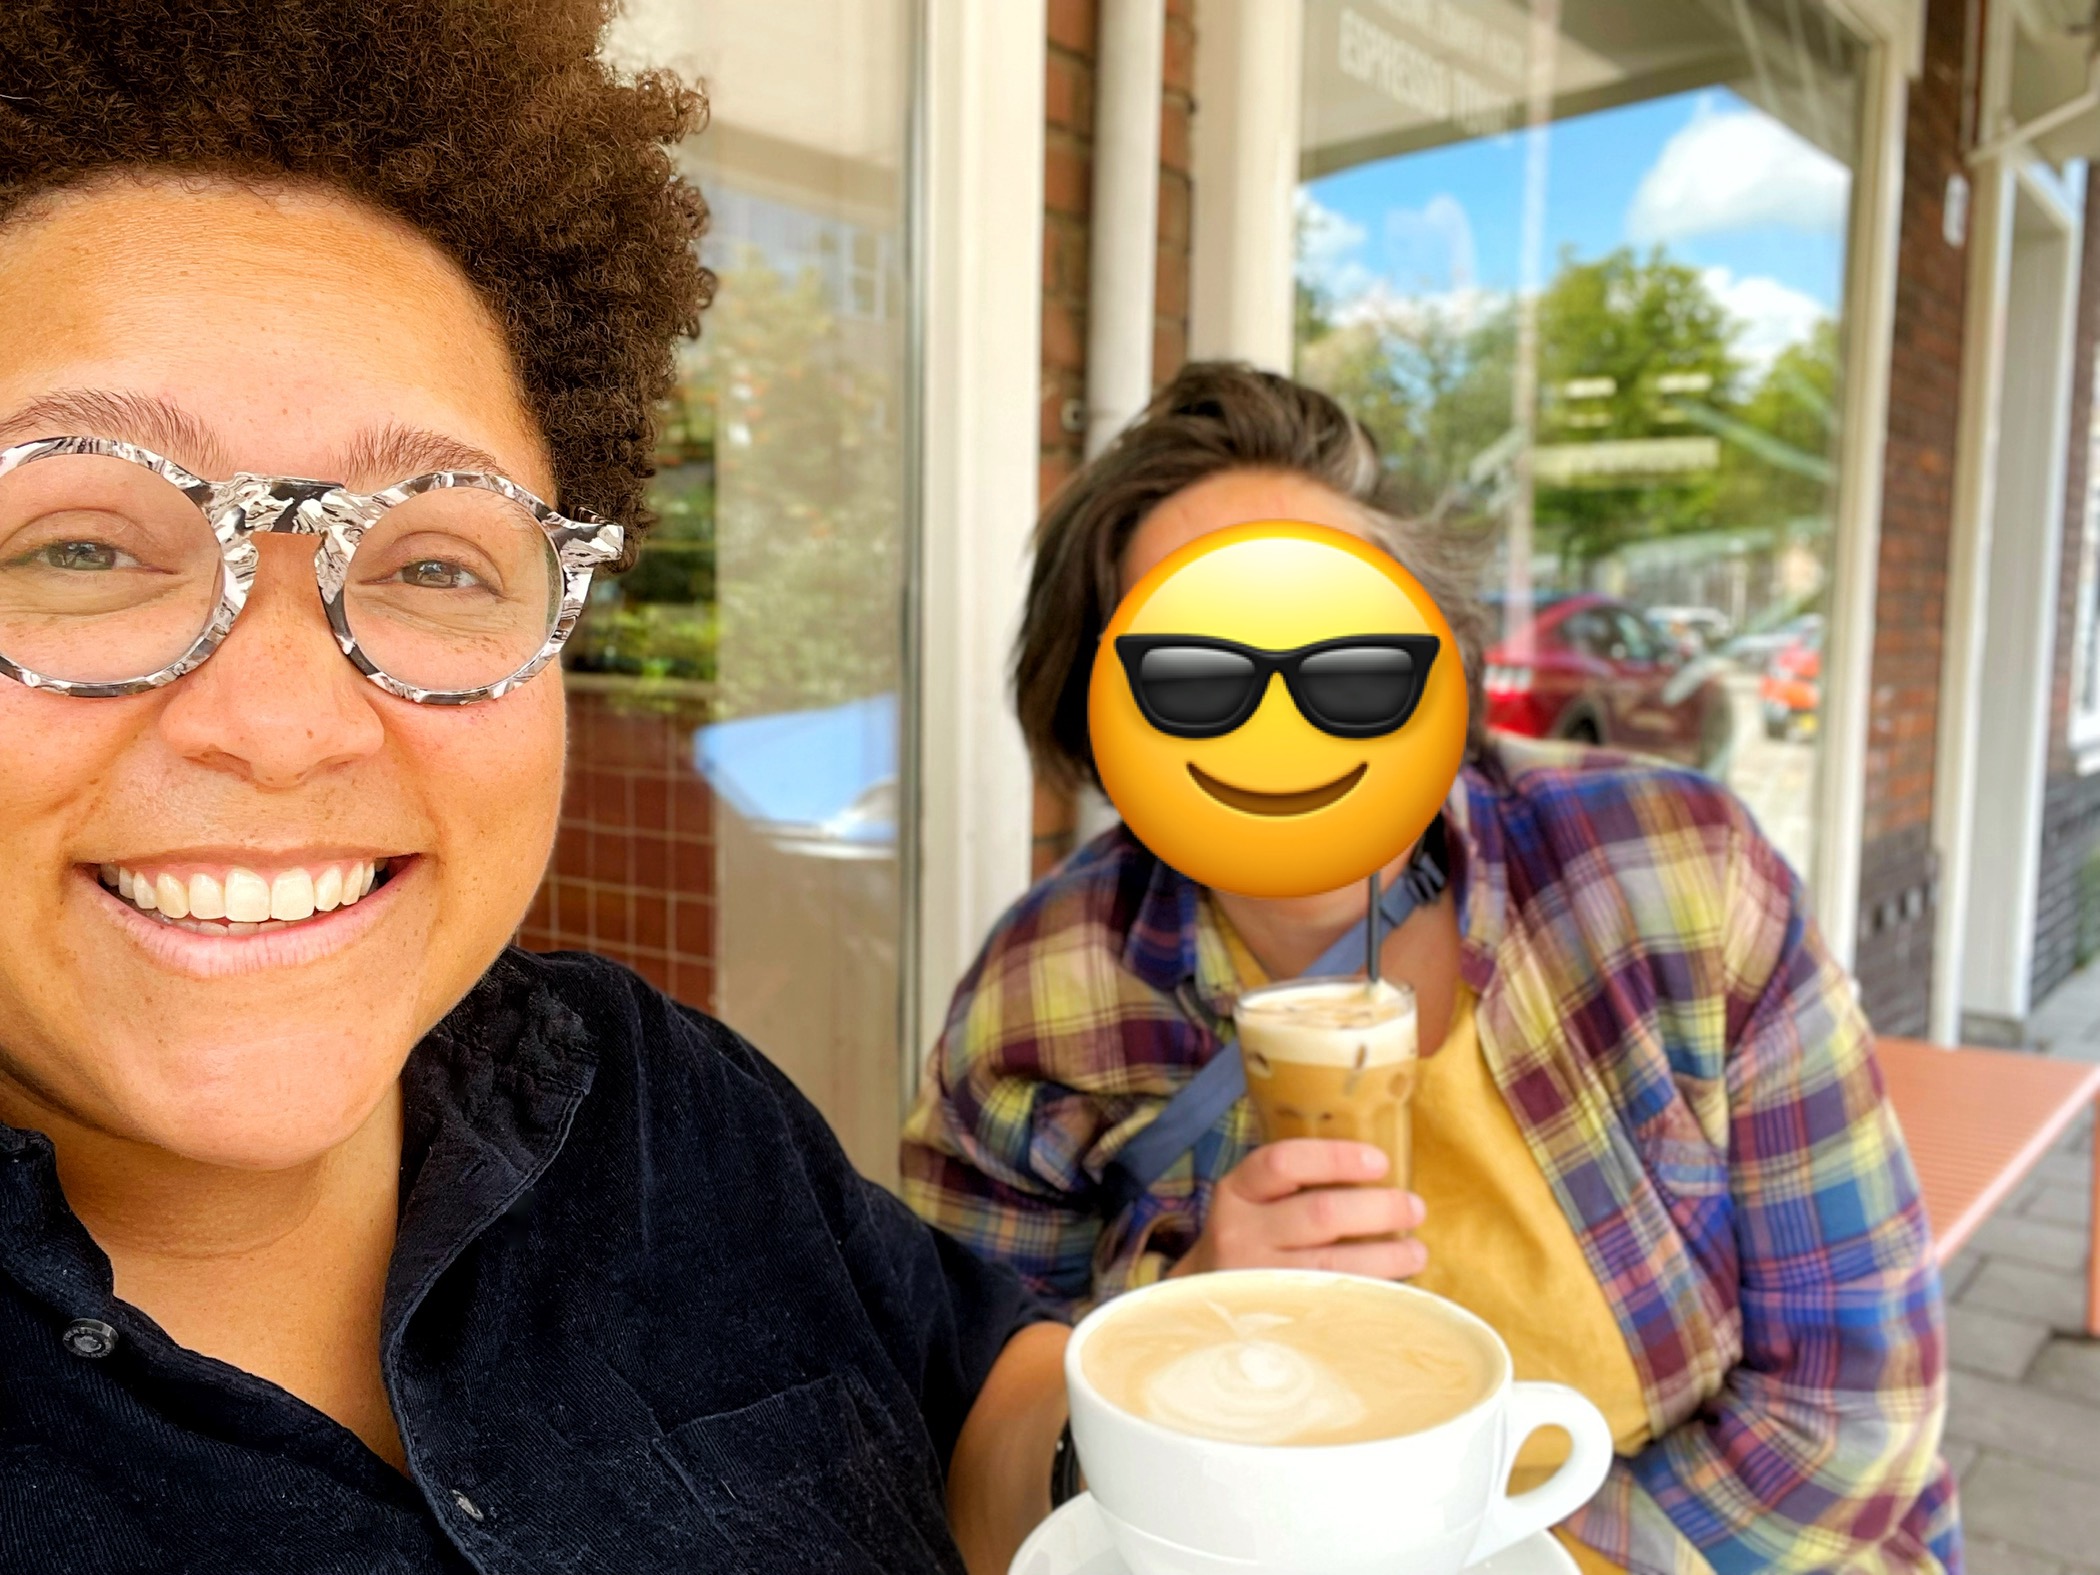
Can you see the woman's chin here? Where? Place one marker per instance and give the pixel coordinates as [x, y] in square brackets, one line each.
[268, 1106]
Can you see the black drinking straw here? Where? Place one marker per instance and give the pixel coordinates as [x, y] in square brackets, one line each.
[1371, 934]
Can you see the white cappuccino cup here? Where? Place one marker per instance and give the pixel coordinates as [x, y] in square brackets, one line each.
[1425, 1502]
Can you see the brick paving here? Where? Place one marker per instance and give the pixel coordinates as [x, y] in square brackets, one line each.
[2023, 1430]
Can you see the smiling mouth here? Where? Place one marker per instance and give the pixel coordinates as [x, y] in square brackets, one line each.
[1253, 803]
[238, 901]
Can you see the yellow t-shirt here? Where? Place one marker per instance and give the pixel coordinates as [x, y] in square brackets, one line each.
[1500, 1246]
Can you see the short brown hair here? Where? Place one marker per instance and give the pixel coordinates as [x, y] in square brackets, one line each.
[492, 127]
[1215, 416]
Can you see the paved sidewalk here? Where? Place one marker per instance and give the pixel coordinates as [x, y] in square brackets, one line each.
[2024, 1430]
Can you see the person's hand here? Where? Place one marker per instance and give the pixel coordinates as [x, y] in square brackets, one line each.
[1307, 1203]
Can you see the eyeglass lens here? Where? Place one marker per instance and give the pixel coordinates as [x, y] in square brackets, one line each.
[109, 573]
[455, 589]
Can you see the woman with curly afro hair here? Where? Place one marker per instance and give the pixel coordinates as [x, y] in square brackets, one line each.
[334, 1234]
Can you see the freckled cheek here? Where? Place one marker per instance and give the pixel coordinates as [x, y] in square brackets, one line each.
[59, 754]
[492, 776]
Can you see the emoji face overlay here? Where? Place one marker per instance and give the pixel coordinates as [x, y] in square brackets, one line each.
[1243, 702]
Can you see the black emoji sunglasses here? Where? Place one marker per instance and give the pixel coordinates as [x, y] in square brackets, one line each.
[1359, 686]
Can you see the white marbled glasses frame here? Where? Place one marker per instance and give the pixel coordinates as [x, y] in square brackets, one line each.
[245, 506]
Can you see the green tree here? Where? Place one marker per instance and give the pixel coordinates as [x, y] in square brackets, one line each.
[1629, 348]
[775, 572]
[1433, 385]
[1781, 467]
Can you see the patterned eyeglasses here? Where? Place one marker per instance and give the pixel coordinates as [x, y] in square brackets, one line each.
[120, 571]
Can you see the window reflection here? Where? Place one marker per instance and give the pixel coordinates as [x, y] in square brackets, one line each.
[1608, 348]
[731, 822]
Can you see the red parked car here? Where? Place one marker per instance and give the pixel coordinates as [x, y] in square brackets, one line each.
[1595, 670]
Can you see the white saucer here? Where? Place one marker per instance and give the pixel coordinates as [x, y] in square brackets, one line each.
[1074, 1541]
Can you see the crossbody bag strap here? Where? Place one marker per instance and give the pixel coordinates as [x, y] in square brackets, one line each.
[1209, 1096]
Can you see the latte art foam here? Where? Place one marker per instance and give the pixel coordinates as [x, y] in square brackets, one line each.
[1281, 1362]
[1250, 1391]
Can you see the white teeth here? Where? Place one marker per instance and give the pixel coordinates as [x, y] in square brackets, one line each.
[247, 897]
[207, 898]
[292, 896]
[246, 902]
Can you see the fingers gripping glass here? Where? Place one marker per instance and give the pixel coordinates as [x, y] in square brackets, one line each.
[120, 571]
[1360, 686]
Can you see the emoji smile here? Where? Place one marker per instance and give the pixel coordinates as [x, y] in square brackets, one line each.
[1252, 803]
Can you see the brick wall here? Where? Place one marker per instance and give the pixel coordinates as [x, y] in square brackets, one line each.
[633, 874]
[1899, 872]
[2065, 921]
[1068, 174]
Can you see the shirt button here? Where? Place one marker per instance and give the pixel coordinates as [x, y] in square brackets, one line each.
[89, 1337]
[467, 1506]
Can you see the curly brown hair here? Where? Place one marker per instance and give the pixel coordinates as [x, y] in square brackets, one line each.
[490, 126]
[1211, 417]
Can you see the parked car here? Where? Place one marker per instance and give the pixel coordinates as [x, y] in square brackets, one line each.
[1697, 630]
[1756, 649]
[1595, 670]
[1792, 689]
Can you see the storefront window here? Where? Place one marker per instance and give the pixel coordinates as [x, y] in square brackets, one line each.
[730, 828]
[1581, 268]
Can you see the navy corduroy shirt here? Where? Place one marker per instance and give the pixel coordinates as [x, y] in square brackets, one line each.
[641, 1316]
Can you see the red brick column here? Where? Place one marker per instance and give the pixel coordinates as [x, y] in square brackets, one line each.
[1068, 175]
[1899, 868]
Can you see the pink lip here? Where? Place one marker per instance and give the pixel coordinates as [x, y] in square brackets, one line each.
[212, 957]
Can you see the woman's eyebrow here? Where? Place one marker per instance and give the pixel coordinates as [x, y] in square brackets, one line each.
[144, 419]
[392, 453]
[382, 455]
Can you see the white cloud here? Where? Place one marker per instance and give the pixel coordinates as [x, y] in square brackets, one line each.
[1419, 252]
[1329, 244]
[1432, 244]
[1735, 170]
[1770, 315]
[1461, 310]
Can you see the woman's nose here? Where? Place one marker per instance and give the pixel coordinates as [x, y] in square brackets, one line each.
[277, 703]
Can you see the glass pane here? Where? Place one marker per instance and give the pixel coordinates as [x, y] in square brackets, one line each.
[1585, 281]
[731, 823]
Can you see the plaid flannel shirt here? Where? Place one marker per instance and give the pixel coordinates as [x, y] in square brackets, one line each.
[1688, 1067]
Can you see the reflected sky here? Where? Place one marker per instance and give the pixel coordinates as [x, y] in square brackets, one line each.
[1718, 183]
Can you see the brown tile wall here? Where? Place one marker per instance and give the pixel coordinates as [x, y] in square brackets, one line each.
[1899, 877]
[1068, 173]
[633, 874]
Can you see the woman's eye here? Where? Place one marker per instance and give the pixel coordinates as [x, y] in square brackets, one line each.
[435, 574]
[79, 555]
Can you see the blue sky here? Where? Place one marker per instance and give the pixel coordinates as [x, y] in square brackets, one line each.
[1717, 183]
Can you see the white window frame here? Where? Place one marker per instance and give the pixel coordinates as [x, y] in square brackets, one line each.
[977, 320]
